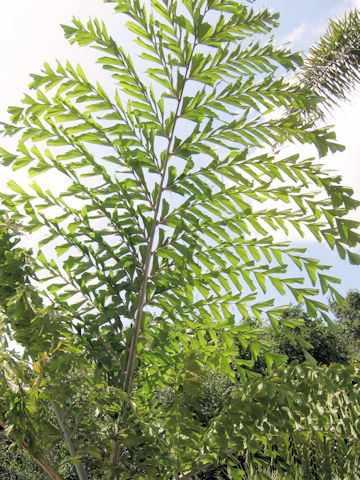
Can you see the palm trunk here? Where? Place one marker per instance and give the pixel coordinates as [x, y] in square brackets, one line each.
[79, 467]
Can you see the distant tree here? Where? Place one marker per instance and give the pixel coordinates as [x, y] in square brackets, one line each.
[325, 344]
[348, 315]
[15, 464]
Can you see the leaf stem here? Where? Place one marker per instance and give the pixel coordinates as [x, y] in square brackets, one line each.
[149, 254]
[146, 271]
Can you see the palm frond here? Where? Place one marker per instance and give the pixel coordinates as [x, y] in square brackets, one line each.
[332, 68]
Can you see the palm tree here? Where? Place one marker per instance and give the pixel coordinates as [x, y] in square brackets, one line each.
[332, 68]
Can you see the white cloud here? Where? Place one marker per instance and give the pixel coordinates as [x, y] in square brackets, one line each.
[297, 34]
[346, 120]
[345, 5]
[307, 34]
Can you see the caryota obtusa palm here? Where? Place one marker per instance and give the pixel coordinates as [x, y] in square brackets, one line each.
[163, 243]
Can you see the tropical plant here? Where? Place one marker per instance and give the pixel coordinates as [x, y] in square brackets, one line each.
[332, 68]
[348, 315]
[153, 257]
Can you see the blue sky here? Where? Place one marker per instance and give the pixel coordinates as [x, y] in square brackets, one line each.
[306, 10]
[307, 19]
[30, 35]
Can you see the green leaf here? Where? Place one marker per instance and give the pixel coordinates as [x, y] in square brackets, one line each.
[354, 258]
[292, 322]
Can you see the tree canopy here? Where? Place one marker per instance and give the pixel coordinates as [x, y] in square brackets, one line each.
[326, 344]
[161, 248]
